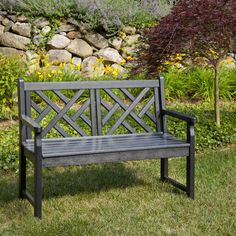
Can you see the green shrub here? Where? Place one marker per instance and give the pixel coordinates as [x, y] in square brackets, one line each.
[48, 8]
[10, 70]
[9, 146]
[108, 15]
[196, 82]
[208, 136]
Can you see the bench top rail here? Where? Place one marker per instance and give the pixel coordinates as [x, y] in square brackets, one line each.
[90, 85]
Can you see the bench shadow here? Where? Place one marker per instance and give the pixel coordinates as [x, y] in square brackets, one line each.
[58, 182]
[88, 179]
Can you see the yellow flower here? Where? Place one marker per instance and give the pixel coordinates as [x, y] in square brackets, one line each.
[62, 65]
[130, 58]
[229, 60]
[41, 77]
[78, 67]
[115, 72]
[54, 71]
[100, 60]
[49, 75]
[107, 69]
[96, 68]
[213, 52]
[178, 57]
[59, 72]
[71, 66]
[168, 62]
[123, 62]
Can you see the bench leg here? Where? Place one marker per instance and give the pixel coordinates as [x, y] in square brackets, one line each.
[190, 175]
[164, 169]
[38, 189]
[22, 174]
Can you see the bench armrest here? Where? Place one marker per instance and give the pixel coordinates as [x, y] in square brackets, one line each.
[190, 119]
[29, 122]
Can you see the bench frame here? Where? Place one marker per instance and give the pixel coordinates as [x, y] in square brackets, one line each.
[26, 124]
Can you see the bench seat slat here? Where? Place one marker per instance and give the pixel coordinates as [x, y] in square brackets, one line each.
[103, 144]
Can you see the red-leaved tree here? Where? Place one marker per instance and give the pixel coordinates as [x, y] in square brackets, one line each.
[197, 28]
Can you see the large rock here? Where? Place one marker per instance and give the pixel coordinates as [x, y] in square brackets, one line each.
[12, 17]
[129, 51]
[15, 41]
[132, 39]
[31, 55]
[41, 22]
[1, 29]
[58, 42]
[22, 19]
[38, 39]
[10, 51]
[129, 30]
[5, 21]
[66, 28]
[59, 56]
[110, 54]
[80, 48]
[91, 67]
[74, 35]
[118, 70]
[23, 29]
[46, 30]
[76, 61]
[97, 40]
[116, 42]
[8, 26]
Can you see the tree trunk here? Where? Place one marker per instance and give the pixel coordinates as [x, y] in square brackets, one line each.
[216, 94]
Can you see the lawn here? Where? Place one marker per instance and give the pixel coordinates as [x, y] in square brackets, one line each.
[127, 199]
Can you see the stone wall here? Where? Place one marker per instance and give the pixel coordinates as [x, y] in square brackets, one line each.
[68, 42]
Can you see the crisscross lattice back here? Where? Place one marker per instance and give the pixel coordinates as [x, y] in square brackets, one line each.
[90, 108]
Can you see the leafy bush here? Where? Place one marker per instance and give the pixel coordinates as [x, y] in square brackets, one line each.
[196, 82]
[48, 8]
[10, 70]
[113, 14]
[109, 15]
[208, 136]
[9, 146]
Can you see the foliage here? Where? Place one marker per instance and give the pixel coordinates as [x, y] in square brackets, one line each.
[114, 14]
[10, 70]
[204, 28]
[48, 8]
[9, 145]
[108, 15]
[208, 136]
[195, 83]
[9, 5]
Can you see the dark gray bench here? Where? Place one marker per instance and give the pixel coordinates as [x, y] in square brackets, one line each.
[106, 109]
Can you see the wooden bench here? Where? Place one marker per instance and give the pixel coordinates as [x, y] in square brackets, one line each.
[139, 128]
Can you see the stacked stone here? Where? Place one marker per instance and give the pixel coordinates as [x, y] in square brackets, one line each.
[71, 42]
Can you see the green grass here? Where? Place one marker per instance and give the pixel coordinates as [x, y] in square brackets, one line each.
[127, 199]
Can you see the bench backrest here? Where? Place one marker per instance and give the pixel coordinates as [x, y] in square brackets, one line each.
[93, 107]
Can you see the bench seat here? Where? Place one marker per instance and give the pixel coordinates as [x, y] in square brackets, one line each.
[160, 143]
